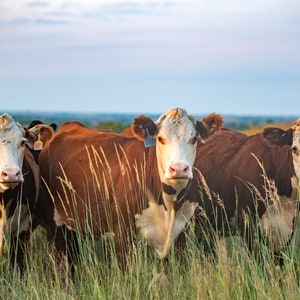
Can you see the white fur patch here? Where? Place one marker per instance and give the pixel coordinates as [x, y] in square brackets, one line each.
[57, 219]
[2, 224]
[19, 221]
[277, 222]
[160, 227]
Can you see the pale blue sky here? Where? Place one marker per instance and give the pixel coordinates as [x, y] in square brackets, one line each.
[225, 56]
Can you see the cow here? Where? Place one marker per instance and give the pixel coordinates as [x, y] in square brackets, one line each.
[98, 182]
[249, 180]
[19, 186]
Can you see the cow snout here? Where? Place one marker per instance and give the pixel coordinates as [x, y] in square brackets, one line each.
[179, 171]
[11, 175]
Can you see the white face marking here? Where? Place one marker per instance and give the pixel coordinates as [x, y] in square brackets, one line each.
[277, 222]
[176, 147]
[12, 152]
[296, 155]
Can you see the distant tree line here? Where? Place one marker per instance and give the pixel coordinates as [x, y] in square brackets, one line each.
[117, 122]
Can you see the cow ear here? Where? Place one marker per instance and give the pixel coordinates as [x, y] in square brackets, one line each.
[278, 136]
[209, 125]
[54, 126]
[143, 126]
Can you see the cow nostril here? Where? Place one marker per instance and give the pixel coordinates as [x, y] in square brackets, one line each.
[172, 170]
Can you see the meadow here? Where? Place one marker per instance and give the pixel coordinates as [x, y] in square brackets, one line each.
[229, 273]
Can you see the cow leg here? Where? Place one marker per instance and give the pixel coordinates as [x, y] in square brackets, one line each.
[122, 246]
[18, 250]
[252, 234]
[66, 249]
[205, 233]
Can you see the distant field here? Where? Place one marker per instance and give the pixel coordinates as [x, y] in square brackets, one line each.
[259, 128]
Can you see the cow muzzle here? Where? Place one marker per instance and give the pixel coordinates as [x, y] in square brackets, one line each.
[179, 171]
[9, 178]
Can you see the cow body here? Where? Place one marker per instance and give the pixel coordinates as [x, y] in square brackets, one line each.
[99, 181]
[251, 179]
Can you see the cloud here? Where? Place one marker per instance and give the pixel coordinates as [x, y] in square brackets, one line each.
[44, 38]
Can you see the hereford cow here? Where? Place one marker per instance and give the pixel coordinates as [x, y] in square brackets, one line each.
[99, 180]
[19, 185]
[251, 180]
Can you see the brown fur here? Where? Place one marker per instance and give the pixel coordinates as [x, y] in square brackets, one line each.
[229, 165]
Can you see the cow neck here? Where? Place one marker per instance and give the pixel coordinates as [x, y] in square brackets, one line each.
[30, 165]
[171, 195]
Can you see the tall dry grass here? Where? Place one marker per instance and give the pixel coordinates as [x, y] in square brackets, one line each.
[229, 273]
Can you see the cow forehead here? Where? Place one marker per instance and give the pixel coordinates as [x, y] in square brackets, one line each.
[296, 130]
[176, 123]
[296, 126]
[10, 129]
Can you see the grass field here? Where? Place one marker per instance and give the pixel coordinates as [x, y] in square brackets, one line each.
[255, 129]
[233, 274]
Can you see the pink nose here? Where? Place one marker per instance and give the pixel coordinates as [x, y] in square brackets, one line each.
[11, 175]
[179, 171]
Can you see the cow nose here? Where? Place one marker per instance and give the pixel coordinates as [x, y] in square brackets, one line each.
[179, 170]
[10, 175]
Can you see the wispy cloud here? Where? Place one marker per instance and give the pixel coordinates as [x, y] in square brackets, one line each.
[174, 36]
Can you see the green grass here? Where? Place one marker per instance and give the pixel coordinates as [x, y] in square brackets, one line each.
[233, 275]
[230, 273]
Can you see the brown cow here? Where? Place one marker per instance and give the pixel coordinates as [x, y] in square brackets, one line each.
[251, 179]
[99, 180]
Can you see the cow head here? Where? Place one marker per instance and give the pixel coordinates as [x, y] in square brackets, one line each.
[289, 137]
[12, 148]
[176, 135]
[39, 134]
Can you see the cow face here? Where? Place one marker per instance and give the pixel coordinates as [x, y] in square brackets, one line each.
[176, 141]
[12, 147]
[176, 135]
[295, 147]
[289, 137]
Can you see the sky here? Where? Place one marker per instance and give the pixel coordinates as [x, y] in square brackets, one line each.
[239, 57]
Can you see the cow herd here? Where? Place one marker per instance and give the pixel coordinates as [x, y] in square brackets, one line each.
[150, 182]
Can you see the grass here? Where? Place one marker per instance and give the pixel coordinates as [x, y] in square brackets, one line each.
[230, 273]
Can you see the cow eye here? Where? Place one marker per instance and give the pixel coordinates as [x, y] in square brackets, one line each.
[161, 140]
[294, 149]
[193, 140]
[23, 142]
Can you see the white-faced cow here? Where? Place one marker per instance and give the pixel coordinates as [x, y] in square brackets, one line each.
[99, 181]
[19, 186]
[251, 179]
